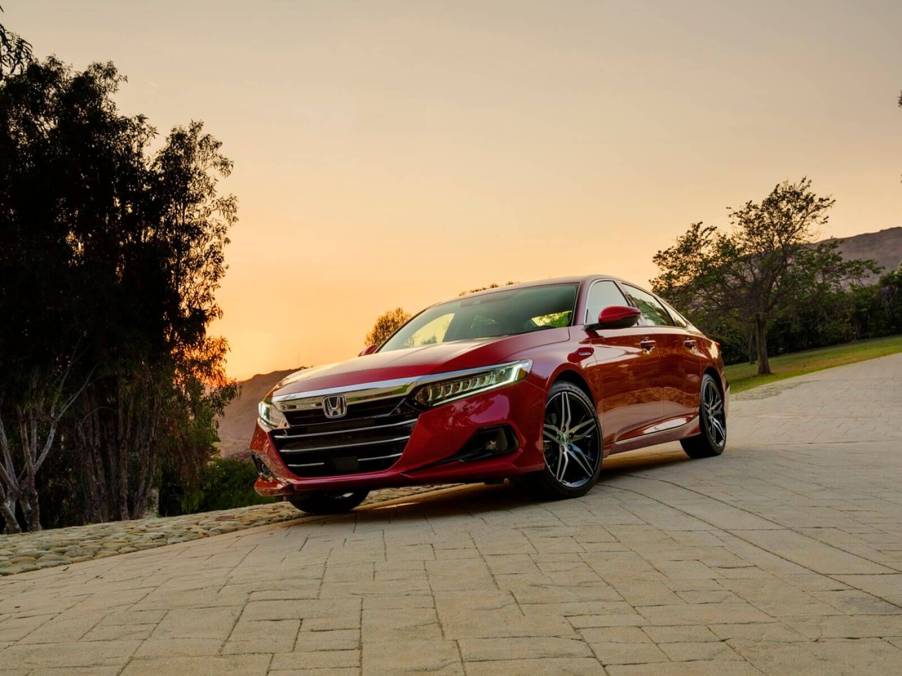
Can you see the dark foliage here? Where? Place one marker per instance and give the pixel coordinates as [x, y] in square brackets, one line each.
[765, 270]
[110, 256]
[224, 483]
[839, 316]
[15, 52]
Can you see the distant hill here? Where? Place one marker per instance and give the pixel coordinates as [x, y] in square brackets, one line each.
[884, 246]
[237, 422]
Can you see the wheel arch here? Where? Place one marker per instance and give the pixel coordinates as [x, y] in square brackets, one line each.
[575, 378]
[719, 378]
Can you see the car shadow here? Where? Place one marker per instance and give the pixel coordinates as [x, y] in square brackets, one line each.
[646, 459]
[469, 499]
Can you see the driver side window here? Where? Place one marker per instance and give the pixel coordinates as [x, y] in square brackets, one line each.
[601, 295]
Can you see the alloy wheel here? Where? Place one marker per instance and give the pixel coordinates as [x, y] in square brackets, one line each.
[572, 440]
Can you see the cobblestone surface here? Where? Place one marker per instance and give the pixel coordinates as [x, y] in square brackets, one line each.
[783, 556]
[63, 546]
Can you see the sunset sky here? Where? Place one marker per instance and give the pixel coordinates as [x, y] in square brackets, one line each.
[397, 153]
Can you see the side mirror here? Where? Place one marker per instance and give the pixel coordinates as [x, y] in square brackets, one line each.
[616, 317]
[369, 349]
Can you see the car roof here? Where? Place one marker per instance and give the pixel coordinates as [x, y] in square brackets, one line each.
[576, 279]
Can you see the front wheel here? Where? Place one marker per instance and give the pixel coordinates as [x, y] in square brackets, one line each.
[572, 441]
[712, 418]
[328, 503]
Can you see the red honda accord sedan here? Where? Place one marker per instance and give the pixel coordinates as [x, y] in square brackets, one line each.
[534, 382]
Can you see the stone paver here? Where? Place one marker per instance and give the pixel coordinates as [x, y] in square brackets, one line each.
[63, 546]
[784, 556]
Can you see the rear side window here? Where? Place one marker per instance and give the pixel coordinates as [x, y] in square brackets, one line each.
[678, 319]
[653, 313]
[601, 295]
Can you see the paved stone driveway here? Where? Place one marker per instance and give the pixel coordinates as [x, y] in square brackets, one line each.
[782, 556]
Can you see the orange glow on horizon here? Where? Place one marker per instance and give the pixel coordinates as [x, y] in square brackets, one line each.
[395, 154]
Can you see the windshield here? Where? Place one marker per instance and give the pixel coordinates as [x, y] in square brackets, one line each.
[500, 313]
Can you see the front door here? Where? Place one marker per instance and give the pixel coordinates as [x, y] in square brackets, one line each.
[679, 378]
[626, 370]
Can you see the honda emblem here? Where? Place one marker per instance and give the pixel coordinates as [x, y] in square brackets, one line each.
[335, 406]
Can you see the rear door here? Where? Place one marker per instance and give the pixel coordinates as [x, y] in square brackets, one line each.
[625, 369]
[690, 361]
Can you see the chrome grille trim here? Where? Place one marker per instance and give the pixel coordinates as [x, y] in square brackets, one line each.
[381, 457]
[339, 447]
[392, 456]
[345, 431]
[354, 394]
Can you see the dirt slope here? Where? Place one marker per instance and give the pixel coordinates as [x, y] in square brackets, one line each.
[884, 246]
[237, 422]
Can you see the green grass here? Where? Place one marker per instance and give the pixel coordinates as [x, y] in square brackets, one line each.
[744, 376]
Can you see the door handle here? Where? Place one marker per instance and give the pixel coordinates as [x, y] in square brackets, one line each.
[647, 344]
[689, 342]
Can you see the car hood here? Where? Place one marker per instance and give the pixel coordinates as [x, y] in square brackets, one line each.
[417, 361]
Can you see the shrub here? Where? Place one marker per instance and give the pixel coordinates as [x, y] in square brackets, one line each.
[224, 483]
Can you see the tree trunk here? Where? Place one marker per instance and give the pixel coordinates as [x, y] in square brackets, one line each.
[8, 510]
[93, 481]
[25, 507]
[761, 342]
[152, 502]
[31, 507]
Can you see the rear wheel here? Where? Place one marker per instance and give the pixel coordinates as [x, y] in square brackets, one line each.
[712, 419]
[328, 503]
[572, 442]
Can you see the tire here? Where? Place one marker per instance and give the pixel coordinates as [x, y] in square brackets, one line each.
[328, 503]
[571, 468]
[712, 418]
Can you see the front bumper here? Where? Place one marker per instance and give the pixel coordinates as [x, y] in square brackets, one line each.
[438, 434]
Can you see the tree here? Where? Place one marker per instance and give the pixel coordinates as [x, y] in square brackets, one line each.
[759, 271]
[890, 296]
[156, 402]
[40, 340]
[15, 52]
[110, 257]
[386, 324]
[39, 412]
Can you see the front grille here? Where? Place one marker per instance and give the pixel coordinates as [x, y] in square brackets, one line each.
[363, 409]
[370, 438]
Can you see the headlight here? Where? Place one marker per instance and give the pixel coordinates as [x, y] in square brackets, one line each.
[271, 417]
[442, 391]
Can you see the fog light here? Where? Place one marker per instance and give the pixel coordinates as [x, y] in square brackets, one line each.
[486, 443]
[262, 469]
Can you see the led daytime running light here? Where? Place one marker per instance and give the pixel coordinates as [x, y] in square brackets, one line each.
[442, 391]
